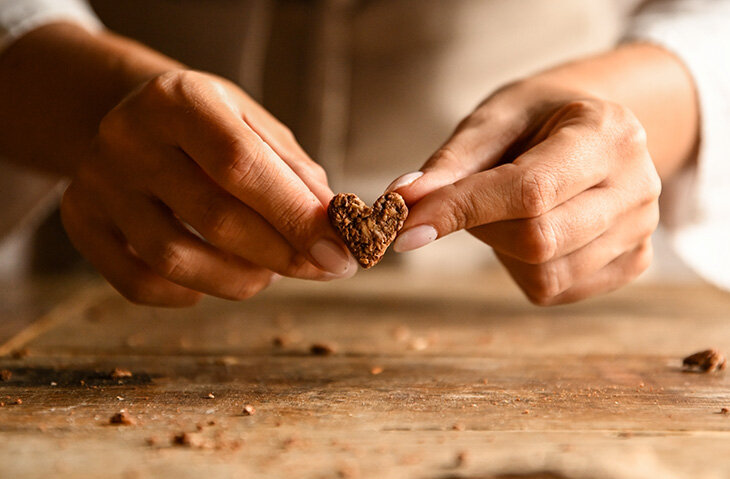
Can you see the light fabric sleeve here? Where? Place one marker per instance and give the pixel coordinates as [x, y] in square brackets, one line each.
[696, 204]
[18, 17]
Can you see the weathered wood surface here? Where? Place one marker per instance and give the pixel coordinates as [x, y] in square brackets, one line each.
[475, 383]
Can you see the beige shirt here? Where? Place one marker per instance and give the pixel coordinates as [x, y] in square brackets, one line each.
[372, 87]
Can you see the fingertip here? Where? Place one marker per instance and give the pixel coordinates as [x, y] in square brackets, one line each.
[333, 258]
[403, 181]
[415, 238]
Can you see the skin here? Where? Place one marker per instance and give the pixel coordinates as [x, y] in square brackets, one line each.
[152, 148]
[554, 172]
[561, 173]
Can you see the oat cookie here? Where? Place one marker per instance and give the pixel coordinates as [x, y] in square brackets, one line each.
[366, 231]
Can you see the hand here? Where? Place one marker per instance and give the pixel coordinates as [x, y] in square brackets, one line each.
[560, 183]
[190, 149]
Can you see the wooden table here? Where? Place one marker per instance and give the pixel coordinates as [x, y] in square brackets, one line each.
[433, 377]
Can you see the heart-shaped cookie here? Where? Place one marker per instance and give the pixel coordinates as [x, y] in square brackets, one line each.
[366, 231]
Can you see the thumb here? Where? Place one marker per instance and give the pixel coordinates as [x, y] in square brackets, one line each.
[478, 143]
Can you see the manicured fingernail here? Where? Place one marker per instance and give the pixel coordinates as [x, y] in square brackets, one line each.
[350, 273]
[404, 180]
[414, 238]
[330, 257]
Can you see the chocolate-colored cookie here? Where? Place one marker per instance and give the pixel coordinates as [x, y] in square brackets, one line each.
[366, 231]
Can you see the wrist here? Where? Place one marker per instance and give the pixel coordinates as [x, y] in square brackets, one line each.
[67, 79]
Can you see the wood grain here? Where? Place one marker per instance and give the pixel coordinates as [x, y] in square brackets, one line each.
[472, 382]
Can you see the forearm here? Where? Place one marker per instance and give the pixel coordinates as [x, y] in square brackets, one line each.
[56, 84]
[655, 86]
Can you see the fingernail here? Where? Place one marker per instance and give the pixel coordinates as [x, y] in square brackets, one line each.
[350, 273]
[330, 257]
[414, 238]
[404, 180]
[274, 278]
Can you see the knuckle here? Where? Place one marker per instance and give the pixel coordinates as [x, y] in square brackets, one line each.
[540, 241]
[286, 132]
[162, 88]
[173, 89]
[169, 259]
[446, 157]
[630, 128]
[546, 283]
[625, 130]
[584, 106]
[541, 284]
[165, 85]
[456, 212]
[535, 194]
[243, 165]
[318, 172]
[294, 218]
[586, 112]
[218, 223]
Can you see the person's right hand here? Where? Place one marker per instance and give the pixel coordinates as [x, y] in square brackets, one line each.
[188, 148]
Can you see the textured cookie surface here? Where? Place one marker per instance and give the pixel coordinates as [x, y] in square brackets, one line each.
[367, 231]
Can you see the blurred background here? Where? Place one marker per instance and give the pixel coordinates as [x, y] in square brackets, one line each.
[370, 88]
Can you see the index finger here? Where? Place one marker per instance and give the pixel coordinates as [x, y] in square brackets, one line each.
[236, 158]
[550, 173]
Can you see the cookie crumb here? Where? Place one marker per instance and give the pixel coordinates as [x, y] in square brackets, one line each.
[458, 427]
[209, 396]
[707, 361]
[5, 375]
[18, 401]
[248, 410]
[119, 373]
[462, 458]
[322, 349]
[188, 439]
[724, 411]
[375, 370]
[122, 418]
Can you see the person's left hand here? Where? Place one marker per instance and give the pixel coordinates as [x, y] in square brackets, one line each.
[558, 182]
